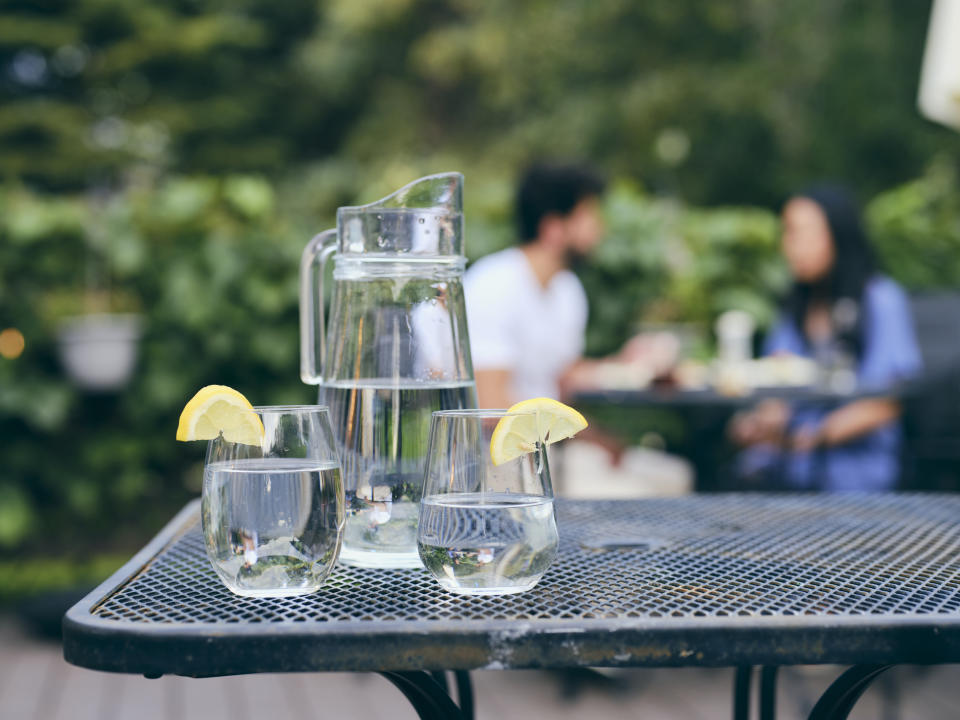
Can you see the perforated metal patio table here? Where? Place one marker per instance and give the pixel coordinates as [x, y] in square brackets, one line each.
[714, 580]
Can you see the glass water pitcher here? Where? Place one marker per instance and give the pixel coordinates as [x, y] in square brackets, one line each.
[394, 349]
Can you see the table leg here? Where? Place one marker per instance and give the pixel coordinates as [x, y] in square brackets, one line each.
[741, 692]
[425, 694]
[440, 677]
[768, 693]
[839, 699]
[464, 689]
[464, 693]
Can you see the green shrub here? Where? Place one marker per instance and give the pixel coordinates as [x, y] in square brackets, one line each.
[213, 271]
[666, 263]
[916, 229]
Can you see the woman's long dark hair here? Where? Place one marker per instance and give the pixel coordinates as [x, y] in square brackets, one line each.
[843, 286]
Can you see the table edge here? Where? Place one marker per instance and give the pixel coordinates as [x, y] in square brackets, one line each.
[219, 649]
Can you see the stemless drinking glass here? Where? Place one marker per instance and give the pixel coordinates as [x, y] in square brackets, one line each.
[484, 529]
[273, 514]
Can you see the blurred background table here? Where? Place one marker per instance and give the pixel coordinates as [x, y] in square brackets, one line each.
[690, 423]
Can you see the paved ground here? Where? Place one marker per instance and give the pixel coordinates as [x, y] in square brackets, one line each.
[36, 684]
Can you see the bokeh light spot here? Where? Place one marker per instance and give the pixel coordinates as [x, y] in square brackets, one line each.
[11, 343]
[672, 146]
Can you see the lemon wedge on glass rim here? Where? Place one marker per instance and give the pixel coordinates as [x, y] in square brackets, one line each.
[518, 434]
[216, 410]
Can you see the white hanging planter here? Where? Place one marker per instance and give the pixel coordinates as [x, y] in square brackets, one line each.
[99, 351]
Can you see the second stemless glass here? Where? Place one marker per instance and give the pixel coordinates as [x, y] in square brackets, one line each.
[484, 529]
[273, 513]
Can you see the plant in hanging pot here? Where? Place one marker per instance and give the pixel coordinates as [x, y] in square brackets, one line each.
[96, 319]
[98, 348]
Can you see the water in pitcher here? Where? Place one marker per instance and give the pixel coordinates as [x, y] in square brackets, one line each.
[384, 428]
[480, 543]
[271, 525]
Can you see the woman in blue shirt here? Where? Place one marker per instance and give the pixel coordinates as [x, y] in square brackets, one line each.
[846, 315]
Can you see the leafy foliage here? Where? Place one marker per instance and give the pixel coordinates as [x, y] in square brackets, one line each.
[666, 263]
[213, 270]
[916, 228]
[734, 102]
[96, 87]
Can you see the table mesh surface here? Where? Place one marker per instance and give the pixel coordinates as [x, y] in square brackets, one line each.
[708, 556]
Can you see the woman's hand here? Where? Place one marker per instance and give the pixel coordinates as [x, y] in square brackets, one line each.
[764, 424]
[806, 438]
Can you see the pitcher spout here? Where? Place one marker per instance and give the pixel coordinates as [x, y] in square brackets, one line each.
[442, 192]
[424, 218]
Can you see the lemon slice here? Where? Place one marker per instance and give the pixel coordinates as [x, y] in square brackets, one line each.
[517, 435]
[218, 409]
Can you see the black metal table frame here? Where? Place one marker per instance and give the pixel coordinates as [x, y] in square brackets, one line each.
[205, 652]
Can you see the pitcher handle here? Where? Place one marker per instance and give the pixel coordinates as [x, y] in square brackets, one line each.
[313, 340]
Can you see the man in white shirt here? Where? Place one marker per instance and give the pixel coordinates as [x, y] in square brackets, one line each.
[527, 316]
[526, 311]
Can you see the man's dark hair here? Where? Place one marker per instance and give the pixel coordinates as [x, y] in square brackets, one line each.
[553, 188]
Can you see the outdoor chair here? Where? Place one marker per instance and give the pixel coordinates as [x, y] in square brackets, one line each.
[931, 405]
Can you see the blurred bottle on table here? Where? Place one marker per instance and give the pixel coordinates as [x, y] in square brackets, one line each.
[734, 330]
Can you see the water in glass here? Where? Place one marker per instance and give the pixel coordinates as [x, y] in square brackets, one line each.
[488, 542]
[271, 524]
[485, 528]
[272, 513]
[384, 428]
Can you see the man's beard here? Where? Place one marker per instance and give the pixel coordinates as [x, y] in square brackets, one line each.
[575, 259]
